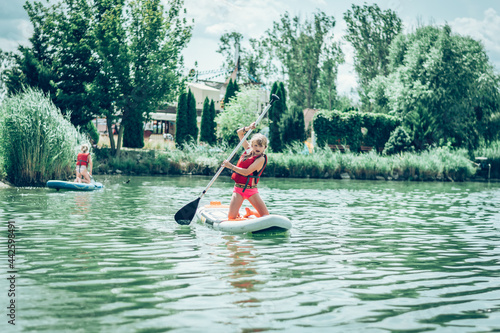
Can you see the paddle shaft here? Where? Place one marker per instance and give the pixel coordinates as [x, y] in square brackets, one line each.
[237, 147]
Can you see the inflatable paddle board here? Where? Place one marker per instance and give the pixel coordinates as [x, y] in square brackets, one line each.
[215, 215]
[61, 184]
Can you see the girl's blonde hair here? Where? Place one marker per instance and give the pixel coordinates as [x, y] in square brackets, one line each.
[84, 148]
[259, 139]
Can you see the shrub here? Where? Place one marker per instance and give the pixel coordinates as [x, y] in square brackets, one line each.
[398, 142]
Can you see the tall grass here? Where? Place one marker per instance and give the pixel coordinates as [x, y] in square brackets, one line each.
[36, 142]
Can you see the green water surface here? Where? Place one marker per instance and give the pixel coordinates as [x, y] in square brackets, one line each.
[363, 256]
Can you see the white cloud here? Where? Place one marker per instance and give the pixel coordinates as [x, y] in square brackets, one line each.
[486, 30]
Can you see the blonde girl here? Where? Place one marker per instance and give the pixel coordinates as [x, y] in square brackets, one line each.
[83, 165]
[246, 174]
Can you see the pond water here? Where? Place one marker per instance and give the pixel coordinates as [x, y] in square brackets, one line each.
[362, 256]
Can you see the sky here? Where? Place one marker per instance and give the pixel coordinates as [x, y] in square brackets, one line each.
[477, 18]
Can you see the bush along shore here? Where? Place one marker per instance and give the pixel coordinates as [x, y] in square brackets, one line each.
[438, 164]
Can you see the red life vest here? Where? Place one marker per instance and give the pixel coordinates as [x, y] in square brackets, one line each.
[82, 159]
[244, 164]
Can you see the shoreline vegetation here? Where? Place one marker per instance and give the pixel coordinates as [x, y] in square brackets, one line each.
[437, 164]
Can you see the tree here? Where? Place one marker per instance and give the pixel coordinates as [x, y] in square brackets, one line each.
[208, 125]
[6, 63]
[442, 87]
[231, 90]
[241, 112]
[156, 40]
[332, 57]
[120, 58]
[181, 122]
[293, 126]
[191, 118]
[275, 115]
[60, 59]
[250, 58]
[371, 31]
[298, 46]
[113, 59]
[228, 43]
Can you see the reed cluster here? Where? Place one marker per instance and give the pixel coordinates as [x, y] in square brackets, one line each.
[37, 143]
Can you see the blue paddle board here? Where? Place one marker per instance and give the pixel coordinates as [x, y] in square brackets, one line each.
[61, 184]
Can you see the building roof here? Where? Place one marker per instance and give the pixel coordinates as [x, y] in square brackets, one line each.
[202, 87]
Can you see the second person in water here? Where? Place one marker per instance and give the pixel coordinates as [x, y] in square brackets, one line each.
[246, 174]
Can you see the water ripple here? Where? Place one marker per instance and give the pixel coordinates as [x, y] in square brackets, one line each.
[362, 256]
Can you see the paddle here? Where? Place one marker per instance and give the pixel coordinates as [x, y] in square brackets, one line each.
[186, 214]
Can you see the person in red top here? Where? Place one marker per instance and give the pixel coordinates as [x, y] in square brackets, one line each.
[246, 174]
[83, 165]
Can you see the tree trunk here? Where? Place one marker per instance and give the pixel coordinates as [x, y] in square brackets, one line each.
[120, 136]
[111, 136]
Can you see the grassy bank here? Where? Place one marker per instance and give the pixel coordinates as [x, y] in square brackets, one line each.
[438, 164]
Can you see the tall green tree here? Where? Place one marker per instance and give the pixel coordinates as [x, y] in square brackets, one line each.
[60, 59]
[191, 117]
[156, 40]
[275, 116]
[293, 126]
[208, 125]
[120, 58]
[332, 57]
[229, 43]
[113, 59]
[181, 122]
[252, 67]
[231, 90]
[298, 47]
[371, 30]
[443, 87]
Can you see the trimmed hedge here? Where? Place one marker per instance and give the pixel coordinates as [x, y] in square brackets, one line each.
[335, 127]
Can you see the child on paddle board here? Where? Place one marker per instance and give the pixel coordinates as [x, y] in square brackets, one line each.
[83, 165]
[246, 174]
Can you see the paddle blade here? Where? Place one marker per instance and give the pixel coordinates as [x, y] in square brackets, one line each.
[186, 214]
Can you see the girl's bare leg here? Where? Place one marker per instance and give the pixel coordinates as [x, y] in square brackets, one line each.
[258, 204]
[86, 177]
[234, 206]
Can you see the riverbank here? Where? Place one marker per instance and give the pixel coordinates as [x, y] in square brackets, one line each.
[438, 164]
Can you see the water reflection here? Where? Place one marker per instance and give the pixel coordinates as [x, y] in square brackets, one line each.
[241, 264]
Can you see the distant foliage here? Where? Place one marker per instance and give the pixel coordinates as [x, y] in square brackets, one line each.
[300, 46]
[37, 143]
